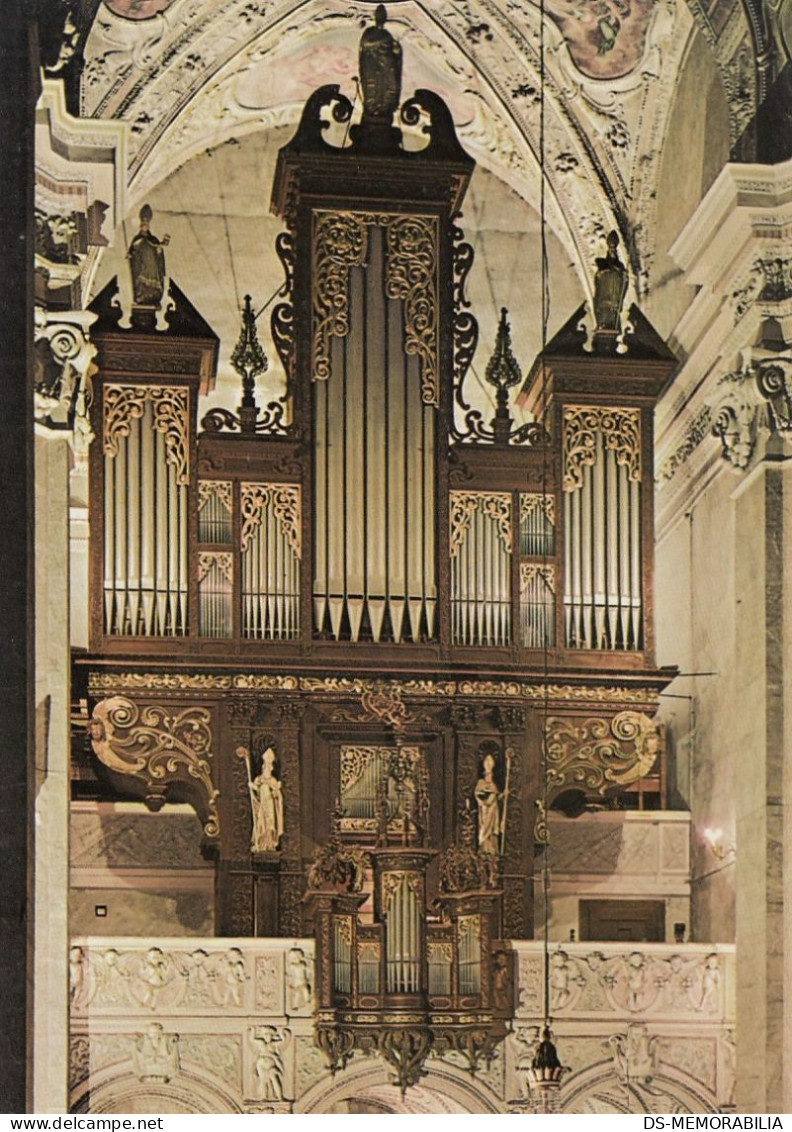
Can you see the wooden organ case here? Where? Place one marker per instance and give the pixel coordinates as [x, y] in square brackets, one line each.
[353, 627]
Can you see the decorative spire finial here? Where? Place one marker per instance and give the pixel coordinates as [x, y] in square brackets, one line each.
[248, 358]
[503, 372]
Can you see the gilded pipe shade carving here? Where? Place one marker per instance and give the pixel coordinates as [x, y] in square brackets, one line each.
[125, 403]
[620, 430]
[341, 242]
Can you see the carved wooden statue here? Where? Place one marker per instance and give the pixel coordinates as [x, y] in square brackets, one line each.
[610, 287]
[488, 798]
[147, 263]
[380, 62]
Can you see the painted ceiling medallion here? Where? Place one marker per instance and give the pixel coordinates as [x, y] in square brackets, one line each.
[137, 9]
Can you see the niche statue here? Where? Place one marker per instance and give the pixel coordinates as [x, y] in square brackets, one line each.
[266, 803]
[488, 798]
[147, 263]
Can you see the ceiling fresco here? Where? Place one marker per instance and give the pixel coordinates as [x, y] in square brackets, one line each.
[606, 38]
[137, 9]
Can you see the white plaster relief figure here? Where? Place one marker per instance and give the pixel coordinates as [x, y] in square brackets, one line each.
[634, 1054]
[200, 978]
[528, 1039]
[155, 974]
[710, 984]
[564, 978]
[268, 1063]
[76, 976]
[114, 977]
[637, 977]
[298, 979]
[231, 978]
[155, 1054]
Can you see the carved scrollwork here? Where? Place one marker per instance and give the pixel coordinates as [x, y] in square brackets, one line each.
[214, 489]
[466, 329]
[620, 430]
[209, 560]
[269, 421]
[532, 501]
[774, 382]
[596, 755]
[412, 277]
[170, 408]
[736, 418]
[529, 572]
[159, 747]
[340, 242]
[284, 499]
[282, 318]
[495, 504]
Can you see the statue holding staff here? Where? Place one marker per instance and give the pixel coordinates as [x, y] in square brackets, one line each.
[266, 802]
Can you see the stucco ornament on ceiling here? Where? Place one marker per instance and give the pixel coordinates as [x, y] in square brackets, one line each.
[200, 72]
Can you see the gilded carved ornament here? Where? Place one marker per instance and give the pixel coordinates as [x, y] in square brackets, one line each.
[341, 243]
[620, 430]
[210, 560]
[532, 501]
[214, 489]
[530, 571]
[598, 754]
[170, 406]
[284, 499]
[158, 747]
[103, 682]
[497, 505]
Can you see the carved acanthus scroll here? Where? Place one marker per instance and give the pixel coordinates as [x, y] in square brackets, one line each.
[284, 499]
[495, 504]
[158, 747]
[620, 430]
[170, 406]
[596, 755]
[341, 241]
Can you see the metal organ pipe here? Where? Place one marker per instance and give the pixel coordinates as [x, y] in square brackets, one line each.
[603, 564]
[481, 568]
[375, 477]
[146, 564]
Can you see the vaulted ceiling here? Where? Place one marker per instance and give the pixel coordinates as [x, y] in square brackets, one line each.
[628, 106]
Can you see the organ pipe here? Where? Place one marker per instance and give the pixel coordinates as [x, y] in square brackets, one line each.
[270, 561]
[375, 475]
[603, 593]
[146, 560]
[402, 936]
[481, 568]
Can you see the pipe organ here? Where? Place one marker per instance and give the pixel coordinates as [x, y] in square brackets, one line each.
[341, 623]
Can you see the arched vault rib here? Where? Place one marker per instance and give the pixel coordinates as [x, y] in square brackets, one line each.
[177, 78]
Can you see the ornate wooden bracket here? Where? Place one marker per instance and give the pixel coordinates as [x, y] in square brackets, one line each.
[600, 755]
[160, 752]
